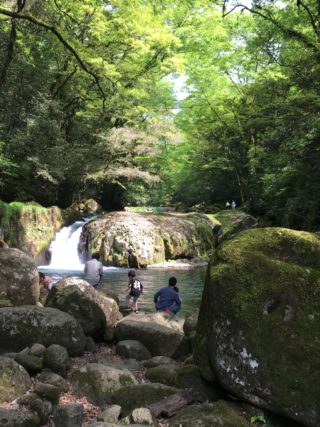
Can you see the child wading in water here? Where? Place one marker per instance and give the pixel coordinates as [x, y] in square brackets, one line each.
[134, 290]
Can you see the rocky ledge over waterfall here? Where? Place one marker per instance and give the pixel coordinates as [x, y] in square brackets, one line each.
[128, 239]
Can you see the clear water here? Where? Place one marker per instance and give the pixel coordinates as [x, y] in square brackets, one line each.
[115, 280]
[65, 262]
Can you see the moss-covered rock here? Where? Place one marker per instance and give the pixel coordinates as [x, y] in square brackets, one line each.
[259, 323]
[14, 380]
[161, 339]
[19, 279]
[185, 377]
[96, 313]
[47, 391]
[140, 396]
[132, 349]
[70, 415]
[14, 418]
[130, 239]
[78, 210]
[24, 326]
[30, 227]
[227, 223]
[98, 382]
[30, 362]
[57, 359]
[218, 414]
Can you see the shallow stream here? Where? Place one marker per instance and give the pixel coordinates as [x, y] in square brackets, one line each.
[115, 280]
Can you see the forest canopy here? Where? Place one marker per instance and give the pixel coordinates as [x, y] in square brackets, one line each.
[89, 106]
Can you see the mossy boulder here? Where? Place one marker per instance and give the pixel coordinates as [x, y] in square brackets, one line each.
[19, 279]
[227, 223]
[160, 335]
[70, 415]
[96, 313]
[98, 382]
[21, 418]
[57, 359]
[23, 326]
[218, 414]
[185, 377]
[140, 396]
[78, 210]
[14, 380]
[259, 323]
[132, 349]
[30, 227]
[129, 239]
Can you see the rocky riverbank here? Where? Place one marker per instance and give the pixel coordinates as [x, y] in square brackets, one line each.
[252, 354]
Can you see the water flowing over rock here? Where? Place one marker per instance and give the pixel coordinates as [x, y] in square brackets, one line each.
[130, 239]
[19, 280]
[96, 313]
[24, 326]
[259, 323]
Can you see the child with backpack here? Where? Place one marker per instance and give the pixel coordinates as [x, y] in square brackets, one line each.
[134, 290]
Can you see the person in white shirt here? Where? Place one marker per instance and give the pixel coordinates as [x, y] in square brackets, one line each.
[93, 270]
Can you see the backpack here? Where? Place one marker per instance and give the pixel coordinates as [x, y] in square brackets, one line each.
[136, 287]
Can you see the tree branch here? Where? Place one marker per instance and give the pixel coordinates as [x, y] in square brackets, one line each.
[53, 30]
[287, 31]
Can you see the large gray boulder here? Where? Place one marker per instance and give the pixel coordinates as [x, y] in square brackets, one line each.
[23, 326]
[157, 332]
[98, 382]
[259, 323]
[14, 380]
[129, 239]
[96, 313]
[19, 279]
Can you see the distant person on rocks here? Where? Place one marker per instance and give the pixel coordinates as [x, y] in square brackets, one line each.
[134, 290]
[167, 299]
[46, 281]
[233, 204]
[93, 270]
[227, 205]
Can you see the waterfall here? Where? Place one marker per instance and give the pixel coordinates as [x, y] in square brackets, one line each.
[64, 249]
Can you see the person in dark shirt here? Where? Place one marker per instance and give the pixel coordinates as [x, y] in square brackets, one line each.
[168, 299]
[134, 290]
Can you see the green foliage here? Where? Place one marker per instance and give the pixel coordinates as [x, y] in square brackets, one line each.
[258, 418]
[87, 107]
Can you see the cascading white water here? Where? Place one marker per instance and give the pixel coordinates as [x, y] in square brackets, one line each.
[64, 249]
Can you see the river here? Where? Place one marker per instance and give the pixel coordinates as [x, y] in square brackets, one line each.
[65, 262]
[115, 280]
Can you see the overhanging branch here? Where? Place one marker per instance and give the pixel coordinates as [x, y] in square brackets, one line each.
[53, 30]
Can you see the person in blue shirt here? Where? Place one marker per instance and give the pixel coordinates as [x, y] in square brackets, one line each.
[168, 299]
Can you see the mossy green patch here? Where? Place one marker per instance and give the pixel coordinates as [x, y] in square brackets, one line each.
[29, 226]
[259, 321]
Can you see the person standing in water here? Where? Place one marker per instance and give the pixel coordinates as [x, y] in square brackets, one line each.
[134, 290]
[93, 270]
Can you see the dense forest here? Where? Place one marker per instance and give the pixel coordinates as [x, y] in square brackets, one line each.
[89, 105]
